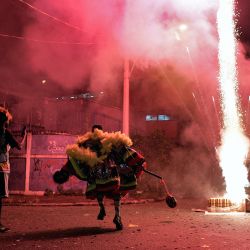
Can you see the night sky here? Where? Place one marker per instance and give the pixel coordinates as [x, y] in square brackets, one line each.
[79, 46]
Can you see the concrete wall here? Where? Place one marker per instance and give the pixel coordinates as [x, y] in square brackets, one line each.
[33, 167]
[73, 117]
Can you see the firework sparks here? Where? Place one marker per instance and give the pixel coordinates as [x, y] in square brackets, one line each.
[234, 146]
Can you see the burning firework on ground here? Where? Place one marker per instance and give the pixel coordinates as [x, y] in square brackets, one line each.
[234, 144]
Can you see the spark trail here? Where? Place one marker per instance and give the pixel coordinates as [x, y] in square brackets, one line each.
[234, 146]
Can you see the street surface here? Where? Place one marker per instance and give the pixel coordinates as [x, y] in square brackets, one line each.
[146, 226]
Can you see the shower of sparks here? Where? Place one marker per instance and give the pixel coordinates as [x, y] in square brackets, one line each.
[234, 146]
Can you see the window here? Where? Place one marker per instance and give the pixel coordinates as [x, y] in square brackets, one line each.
[151, 117]
[163, 118]
[158, 118]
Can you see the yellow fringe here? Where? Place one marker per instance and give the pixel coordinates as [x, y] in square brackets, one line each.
[114, 139]
[84, 155]
[96, 135]
[108, 141]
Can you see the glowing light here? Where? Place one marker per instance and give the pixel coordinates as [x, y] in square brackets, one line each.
[44, 81]
[234, 146]
[183, 27]
[180, 28]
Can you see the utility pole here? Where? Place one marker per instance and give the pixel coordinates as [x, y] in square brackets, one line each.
[125, 121]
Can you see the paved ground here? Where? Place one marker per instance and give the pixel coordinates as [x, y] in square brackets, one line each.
[62, 200]
[150, 225]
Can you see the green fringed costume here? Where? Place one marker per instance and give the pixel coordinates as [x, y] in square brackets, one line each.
[105, 161]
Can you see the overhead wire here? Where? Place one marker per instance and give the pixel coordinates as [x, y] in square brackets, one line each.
[50, 16]
[45, 41]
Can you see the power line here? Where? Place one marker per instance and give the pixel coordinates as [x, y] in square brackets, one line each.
[50, 16]
[45, 41]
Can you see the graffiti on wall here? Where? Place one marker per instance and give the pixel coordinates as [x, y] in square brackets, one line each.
[53, 147]
[41, 175]
[51, 144]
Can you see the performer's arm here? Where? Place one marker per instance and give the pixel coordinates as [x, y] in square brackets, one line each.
[12, 141]
[24, 135]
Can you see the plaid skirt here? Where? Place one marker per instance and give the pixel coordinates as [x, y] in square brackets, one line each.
[4, 184]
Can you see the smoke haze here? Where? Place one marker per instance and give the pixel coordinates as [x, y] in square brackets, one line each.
[81, 44]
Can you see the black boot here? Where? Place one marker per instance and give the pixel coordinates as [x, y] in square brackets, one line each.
[101, 214]
[118, 222]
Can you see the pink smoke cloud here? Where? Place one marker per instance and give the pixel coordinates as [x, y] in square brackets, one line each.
[144, 31]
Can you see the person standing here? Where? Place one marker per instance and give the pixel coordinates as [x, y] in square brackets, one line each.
[7, 141]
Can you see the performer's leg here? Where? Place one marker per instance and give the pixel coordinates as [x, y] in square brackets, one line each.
[117, 203]
[2, 227]
[117, 219]
[3, 193]
[102, 212]
[1, 204]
